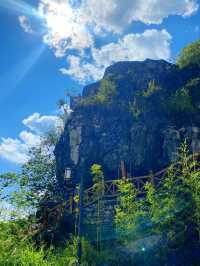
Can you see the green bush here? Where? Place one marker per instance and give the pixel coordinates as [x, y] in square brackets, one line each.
[152, 88]
[18, 249]
[28, 256]
[181, 101]
[104, 96]
[107, 91]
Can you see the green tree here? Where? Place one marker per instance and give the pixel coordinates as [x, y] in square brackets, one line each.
[98, 179]
[171, 203]
[6, 181]
[35, 182]
[170, 211]
[13, 201]
[38, 176]
[190, 55]
[98, 188]
[130, 213]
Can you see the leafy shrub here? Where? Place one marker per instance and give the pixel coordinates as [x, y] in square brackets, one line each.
[107, 91]
[105, 94]
[134, 109]
[152, 88]
[181, 101]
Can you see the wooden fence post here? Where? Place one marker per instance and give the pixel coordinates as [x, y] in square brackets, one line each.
[80, 221]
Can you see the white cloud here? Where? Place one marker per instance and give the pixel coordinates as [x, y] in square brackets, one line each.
[115, 15]
[30, 139]
[151, 44]
[42, 124]
[82, 71]
[71, 27]
[25, 24]
[65, 28]
[16, 150]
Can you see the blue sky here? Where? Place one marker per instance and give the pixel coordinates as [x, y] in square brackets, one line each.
[48, 46]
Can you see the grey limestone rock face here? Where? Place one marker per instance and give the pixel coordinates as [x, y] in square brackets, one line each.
[110, 133]
[74, 142]
[173, 138]
[193, 134]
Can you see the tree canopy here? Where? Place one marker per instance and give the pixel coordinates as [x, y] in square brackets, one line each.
[190, 55]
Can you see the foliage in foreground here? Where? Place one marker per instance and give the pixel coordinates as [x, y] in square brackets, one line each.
[162, 228]
[17, 249]
[169, 216]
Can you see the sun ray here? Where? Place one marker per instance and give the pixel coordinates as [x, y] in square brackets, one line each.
[19, 6]
[11, 79]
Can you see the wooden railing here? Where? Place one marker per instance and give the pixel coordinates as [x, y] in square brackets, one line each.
[111, 190]
[111, 187]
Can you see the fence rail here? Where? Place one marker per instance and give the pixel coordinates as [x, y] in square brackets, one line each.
[111, 190]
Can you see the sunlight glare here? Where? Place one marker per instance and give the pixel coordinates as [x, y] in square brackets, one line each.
[59, 18]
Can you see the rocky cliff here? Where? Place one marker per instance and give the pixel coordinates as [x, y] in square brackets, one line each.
[139, 113]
